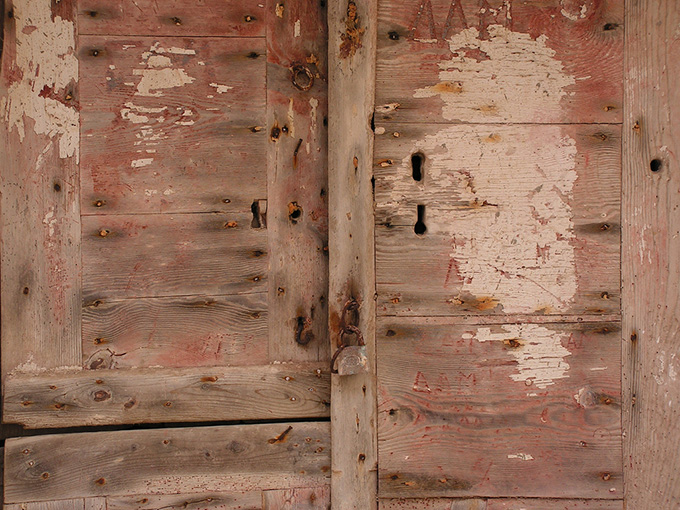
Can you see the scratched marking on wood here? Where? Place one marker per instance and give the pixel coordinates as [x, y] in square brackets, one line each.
[504, 410]
[212, 501]
[297, 106]
[313, 498]
[517, 219]
[244, 18]
[40, 228]
[495, 61]
[172, 124]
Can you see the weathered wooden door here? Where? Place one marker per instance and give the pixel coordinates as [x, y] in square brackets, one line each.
[164, 257]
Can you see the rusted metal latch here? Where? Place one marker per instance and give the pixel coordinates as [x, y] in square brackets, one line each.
[350, 359]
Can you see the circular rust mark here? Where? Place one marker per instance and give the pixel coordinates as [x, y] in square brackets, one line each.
[100, 481]
[45, 475]
[101, 396]
[26, 291]
[99, 203]
[302, 77]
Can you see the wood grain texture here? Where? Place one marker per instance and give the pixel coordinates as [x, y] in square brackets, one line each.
[500, 61]
[651, 249]
[155, 395]
[184, 460]
[505, 410]
[40, 226]
[243, 18]
[172, 124]
[212, 501]
[126, 256]
[176, 332]
[518, 219]
[64, 504]
[500, 504]
[351, 54]
[313, 498]
[297, 209]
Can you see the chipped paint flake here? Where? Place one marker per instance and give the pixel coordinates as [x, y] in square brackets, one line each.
[540, 356]
[221, 89]
[520, 456]
[297, 28]
[138, 163]
[45, 57]
[521, 76]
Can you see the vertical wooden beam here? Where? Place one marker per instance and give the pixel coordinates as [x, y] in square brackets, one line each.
[39, 143]
[352, 46]
[651, 255]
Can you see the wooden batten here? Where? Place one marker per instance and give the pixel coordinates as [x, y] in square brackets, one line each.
[352, 46]
[127, 396]
[239, 458]
[500, 504]
[651, 256]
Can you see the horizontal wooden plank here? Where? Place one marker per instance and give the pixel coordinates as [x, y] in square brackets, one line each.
[500, 61]
[516, 219]
[181, 460]
[500, 504]
[155, 395]
[244, 18]
[176, 332]
[212, 501]
[127, 256]
[304, 498]
[63, 504]
[172, 124]
[499, 410]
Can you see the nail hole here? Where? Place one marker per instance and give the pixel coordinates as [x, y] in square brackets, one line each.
[95, 53]
[99, 203]
[249, 18]
[255, 209]
[57, 186]
[610, 26]
[253, 54]
[93, 14]
[393, 35]
[420, 227]
[417, 162]
[26, 290]
[655, 165]
[176, 21]
[294, 212]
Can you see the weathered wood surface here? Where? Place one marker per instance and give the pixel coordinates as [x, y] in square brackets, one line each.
[244, 18]
[172, 124]
[351, 47]
[500, 504]
[40, 227]
[500, 410]
[312, 498]
[212, 501]
[151, 395]
[651, 256]
[297, 215]
[183, 460]
[64, 504]
[126, 256]
[500, 61]
[517, 219]
[176, 332]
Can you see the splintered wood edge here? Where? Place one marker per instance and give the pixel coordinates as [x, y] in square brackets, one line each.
[148, 395]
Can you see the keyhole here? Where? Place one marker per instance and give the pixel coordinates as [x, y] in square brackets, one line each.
[417, 161]
[420, 227]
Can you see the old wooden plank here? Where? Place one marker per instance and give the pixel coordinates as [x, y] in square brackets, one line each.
[172, 124]
[176, 332]
[651, 251]
[500, 61]
[127, 256]
[502, 410]
[182, 460]
[64, 504]
[40, 194]
[244, 18]
[513, 219]
[297, 212]
[139, 395]
[500, 504]
[305, 498]
[212, 501]
[351, 47]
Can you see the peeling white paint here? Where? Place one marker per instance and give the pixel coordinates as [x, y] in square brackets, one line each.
[155, 80]
[45, 57]
[505, 202]
[221, 89]
[313, 113]
[540, 356]
[520, 456]
[297, 28]
[510, 76]
[138, 163]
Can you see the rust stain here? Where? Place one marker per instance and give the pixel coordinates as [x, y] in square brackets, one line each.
[351, 39]
[281, 438]
[454, 87]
